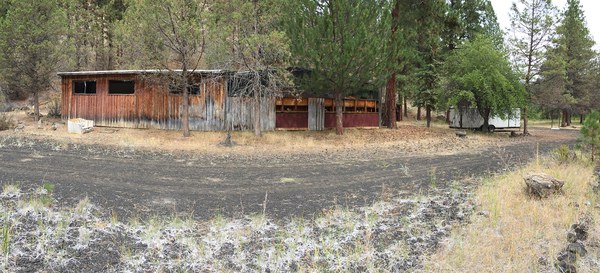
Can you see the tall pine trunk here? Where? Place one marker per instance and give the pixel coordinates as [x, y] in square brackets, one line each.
[36, 104]
[339, 119]
[525, 121]
[405, 107]
[419, 113]
[428, 115]
[390, 102]
[399, 115]
[390, 88]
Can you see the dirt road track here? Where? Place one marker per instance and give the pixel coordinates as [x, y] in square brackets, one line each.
[204, 186]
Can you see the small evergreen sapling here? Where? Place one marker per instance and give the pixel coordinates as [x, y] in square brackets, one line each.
[590, 132]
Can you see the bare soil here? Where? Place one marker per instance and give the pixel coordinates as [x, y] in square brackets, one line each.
[400, 193]
[285, 174]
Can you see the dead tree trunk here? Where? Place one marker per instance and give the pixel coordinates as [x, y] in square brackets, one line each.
[257, 129]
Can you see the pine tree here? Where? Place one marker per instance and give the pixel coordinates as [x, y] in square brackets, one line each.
[30, 41]
[468, 19]
[92, 32]
[170, 35]
[247, 36]
[570, 61]
[389, 113]
[532, 25]
[590, 132]
[343, 44]
[429, 17]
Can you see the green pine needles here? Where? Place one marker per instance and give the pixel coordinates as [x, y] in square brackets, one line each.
[590, 132]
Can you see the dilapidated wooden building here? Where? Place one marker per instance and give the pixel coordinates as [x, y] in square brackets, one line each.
[146, 99]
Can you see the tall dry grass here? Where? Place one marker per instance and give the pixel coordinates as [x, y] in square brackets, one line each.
[515, 233]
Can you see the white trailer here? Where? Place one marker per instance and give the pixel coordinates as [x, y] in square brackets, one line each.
[469, 118]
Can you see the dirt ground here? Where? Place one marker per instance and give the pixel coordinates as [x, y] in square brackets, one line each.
[153, 172]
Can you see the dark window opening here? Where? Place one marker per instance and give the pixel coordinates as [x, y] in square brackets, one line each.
[120, 87]
[193, 90]
[84, 87]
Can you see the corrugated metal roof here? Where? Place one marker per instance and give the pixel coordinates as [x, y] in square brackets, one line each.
[131, 72]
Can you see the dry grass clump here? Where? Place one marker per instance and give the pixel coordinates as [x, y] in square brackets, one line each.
[516, 233]
[6, 122]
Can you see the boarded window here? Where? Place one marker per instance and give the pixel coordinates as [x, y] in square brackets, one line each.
[118, 87]
[193, 90]
[84, 87]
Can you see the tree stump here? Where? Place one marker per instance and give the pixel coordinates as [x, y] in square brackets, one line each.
[542, 185]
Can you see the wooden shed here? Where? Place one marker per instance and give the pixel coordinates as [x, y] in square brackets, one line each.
[143, 99]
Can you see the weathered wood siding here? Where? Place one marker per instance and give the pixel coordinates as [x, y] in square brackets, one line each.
[316, 114]
[241, 113]
[151, 106]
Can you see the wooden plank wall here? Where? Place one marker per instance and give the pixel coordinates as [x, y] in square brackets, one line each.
[151, 106]
[316, 114]
[241, 113]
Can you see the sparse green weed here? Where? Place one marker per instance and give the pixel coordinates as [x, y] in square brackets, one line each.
[82, 205]
[6, 235]
[562, 154]
[433, 178]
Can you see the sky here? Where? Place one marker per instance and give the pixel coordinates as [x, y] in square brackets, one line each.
[502, 8]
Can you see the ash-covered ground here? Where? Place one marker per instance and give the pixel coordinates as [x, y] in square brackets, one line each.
[391, 235]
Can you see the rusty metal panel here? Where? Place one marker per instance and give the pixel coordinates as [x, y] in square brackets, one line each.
[316, 114]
